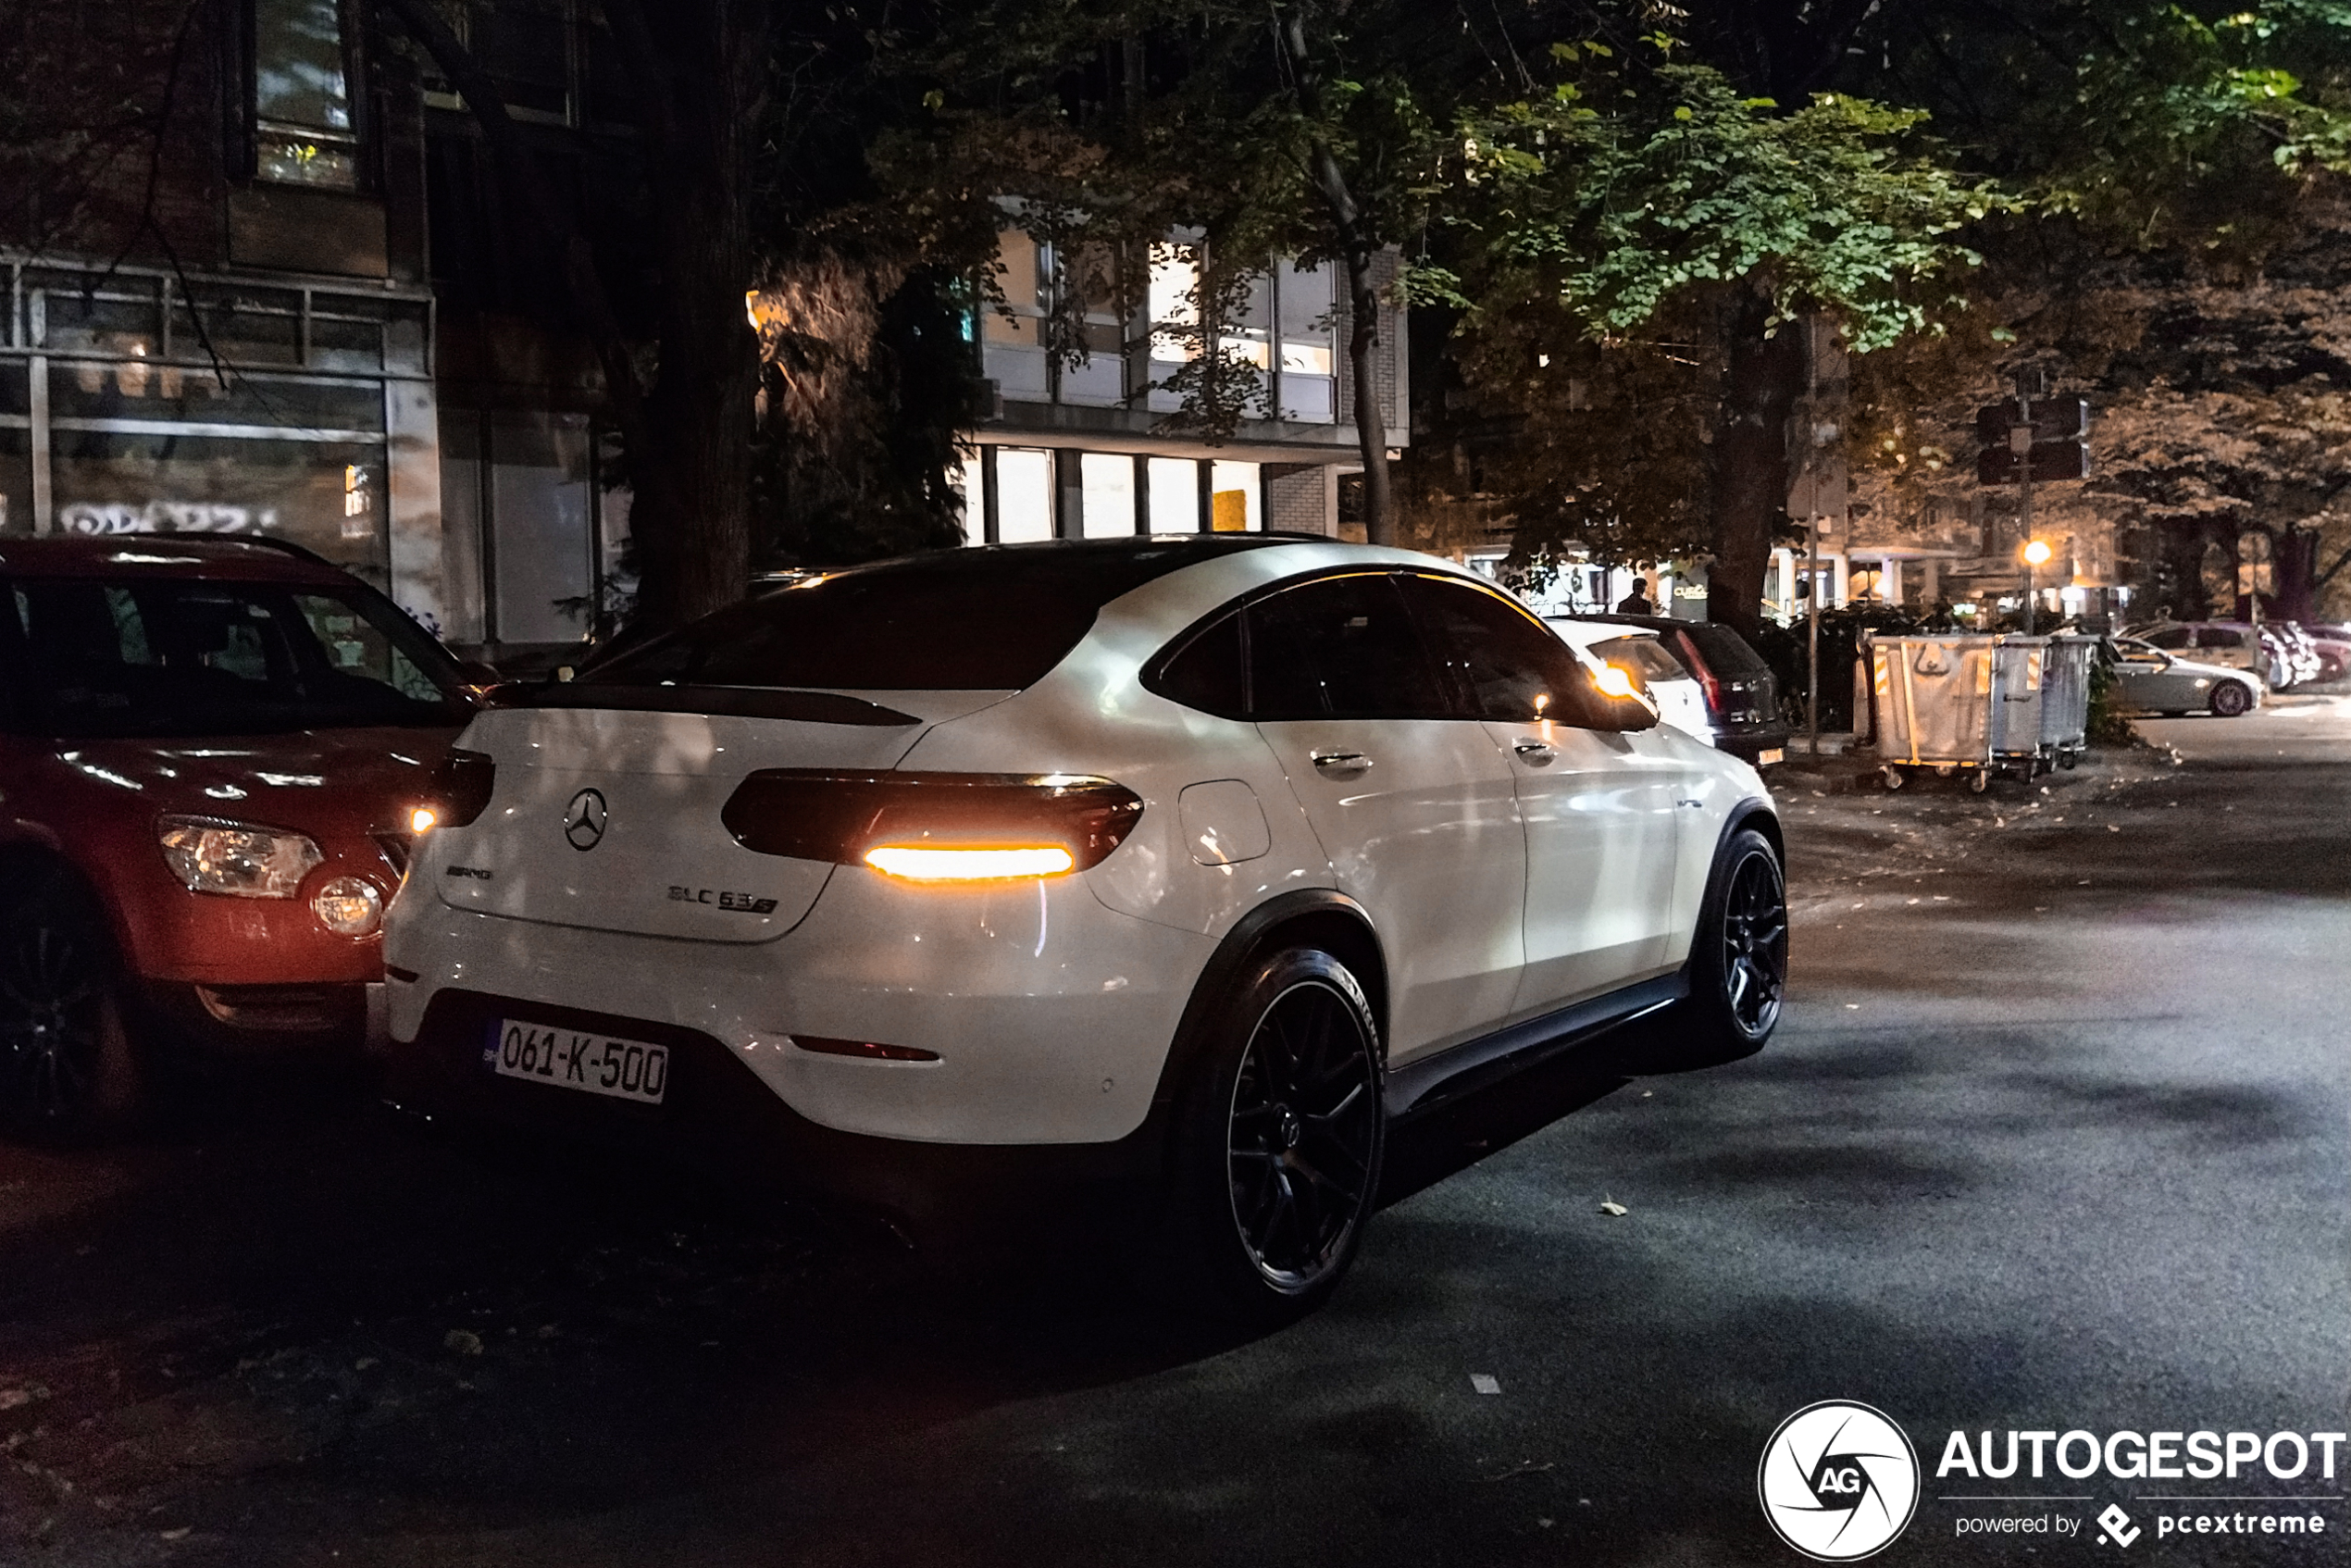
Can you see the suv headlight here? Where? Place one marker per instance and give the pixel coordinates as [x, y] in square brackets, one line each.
[236, 858]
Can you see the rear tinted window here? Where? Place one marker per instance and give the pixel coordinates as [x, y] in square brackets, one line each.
[970, 620]
[1642, 657]
[1724, 651]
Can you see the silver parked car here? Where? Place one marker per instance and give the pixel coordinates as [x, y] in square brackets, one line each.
[2150, 680]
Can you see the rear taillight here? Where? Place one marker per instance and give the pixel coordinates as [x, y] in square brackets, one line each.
[934, 826]
[459, 791]
[1706, 678]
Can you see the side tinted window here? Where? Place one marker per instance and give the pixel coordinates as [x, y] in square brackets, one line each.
[1341, 648]
[1514, 667]
[2172, 637]
[1206, 673]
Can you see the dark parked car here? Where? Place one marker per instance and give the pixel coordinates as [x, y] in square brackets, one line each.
[211, 755]
[1742, 694]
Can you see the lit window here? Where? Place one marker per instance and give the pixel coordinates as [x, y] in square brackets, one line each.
[301, 96]
[1174, 303]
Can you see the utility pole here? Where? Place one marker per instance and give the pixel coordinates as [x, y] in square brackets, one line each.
[2021, 443]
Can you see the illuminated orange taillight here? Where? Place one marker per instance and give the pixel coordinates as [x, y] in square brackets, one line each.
[970, 863]
[937, 827]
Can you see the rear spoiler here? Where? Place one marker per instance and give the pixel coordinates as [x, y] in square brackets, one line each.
[726, 702]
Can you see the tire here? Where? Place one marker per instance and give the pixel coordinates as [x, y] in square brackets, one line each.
[1278, 1140]
[2229, 699]
[1892, 778]
[1738, 960]
[1980, 780]
[67, 1071]
[2069, 760]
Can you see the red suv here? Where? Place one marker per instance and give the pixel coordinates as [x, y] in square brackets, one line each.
[210, 755]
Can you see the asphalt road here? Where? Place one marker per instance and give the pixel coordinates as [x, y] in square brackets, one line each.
[2056, 1136]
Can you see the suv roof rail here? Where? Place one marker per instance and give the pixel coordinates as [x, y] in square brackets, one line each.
[283, 546]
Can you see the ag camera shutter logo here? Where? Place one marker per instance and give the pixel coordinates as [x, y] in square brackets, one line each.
[1838, 1481]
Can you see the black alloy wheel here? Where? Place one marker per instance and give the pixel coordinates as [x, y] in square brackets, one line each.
[1274, 1165]
[1304, 1142]
[1754, 943]
[61, 1050]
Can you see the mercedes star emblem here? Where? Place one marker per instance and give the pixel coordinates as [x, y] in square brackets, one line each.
[584, 819]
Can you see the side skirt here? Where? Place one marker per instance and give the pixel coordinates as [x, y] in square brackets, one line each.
[1419, 1086]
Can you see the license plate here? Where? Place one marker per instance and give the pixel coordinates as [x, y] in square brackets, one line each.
[624, 1069]
[1770, 754]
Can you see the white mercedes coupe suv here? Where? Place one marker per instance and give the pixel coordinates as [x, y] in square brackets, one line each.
[1195, 863]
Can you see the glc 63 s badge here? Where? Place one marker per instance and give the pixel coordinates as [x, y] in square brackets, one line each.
[741, 904]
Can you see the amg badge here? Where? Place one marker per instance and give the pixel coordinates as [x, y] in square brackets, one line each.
[741, 904]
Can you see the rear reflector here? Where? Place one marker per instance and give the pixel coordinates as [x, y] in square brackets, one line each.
[872, 1051]
[934, 826]
[460, 790]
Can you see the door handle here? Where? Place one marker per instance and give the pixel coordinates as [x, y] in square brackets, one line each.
[1341, 764]
[1535, 753]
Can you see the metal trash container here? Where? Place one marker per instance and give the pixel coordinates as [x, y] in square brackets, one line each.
[2065, 698]
[1959, 702]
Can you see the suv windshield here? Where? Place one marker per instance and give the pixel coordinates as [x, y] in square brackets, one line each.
[958, 620]
[141, 656]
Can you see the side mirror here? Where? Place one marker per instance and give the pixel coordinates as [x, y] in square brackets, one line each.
[1622, 706]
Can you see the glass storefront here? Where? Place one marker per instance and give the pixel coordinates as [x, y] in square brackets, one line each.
[128, 407]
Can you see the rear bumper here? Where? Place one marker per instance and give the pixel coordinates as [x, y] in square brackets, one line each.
[718, 1113]
[1748, 745]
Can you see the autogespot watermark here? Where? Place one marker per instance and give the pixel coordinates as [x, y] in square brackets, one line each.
[1839, 1481]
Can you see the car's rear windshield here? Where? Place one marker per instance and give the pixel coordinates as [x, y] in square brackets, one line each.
[996, 618]
[1724, 651]
[1642, 655]
[98, 657]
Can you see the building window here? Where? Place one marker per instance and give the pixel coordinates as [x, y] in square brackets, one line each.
[1234, 504]
[302, 131]
[1175, 483]
[1106, 483]
[522, 483]
[1024, 494]
[1175, 303]
[1307, 316]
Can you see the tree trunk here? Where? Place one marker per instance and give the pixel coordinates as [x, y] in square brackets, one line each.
[699, 74]
[1750, 457]
[1371, 415]
[691, 514]
[1355, 248]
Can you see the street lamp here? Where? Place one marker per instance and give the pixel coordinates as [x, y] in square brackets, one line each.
[2036, 556]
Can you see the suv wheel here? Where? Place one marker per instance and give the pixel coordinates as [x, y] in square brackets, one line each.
[65, 1065]
[1739, 962]
[1279, 1143]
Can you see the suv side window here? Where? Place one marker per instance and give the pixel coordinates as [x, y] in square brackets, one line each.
[2220, 637]
[1341, 647]
[1207, 673]
[2172, 637]
[1510, 667]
